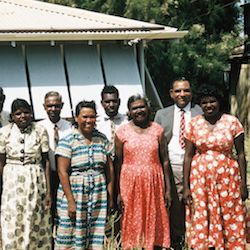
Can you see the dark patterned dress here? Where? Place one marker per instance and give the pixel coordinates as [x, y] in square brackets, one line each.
[25, 222]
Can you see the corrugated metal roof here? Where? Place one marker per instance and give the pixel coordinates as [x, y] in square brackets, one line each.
[35, 20]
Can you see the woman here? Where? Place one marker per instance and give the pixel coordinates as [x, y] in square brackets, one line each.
[25, 210]
[83, 160]
[144, 181]
[214, 181]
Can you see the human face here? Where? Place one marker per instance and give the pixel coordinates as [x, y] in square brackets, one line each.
[110, 103]
[86, 120]
[181, 93]
[22, 117]
[53, 106]
[139, 111]
[210, 106]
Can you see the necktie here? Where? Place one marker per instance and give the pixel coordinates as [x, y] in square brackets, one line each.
[182, 129]
[56, 135]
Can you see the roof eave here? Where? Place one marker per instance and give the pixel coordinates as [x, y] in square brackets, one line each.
[76, 36]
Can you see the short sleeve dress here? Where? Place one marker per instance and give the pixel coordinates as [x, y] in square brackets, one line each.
[89, 188]
[145, 221]
[216, 217]
[24, 221]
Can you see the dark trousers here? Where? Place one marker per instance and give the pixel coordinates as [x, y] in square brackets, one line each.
[54, 183]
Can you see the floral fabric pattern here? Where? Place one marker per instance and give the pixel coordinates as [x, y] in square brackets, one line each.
[145, 221]
[216, 216]
[25, 222]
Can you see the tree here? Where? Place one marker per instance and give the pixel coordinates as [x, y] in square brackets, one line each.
[201, 56]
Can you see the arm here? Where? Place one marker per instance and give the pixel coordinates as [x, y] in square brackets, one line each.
[165, 166]
[189, 153]
[63, 164]
[110, 181]
[118, 163]
[2, 163]
[46, 166]
[239, 145]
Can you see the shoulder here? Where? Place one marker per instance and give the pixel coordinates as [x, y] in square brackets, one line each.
[97, 133]
[156, 126]
[230, 118]
[65, 122]
[5, 129]
[165, 110]
[196, 109]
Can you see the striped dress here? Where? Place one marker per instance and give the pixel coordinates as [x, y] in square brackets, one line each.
[89, 188]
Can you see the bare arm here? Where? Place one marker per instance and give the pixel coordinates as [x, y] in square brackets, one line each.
[165, 166]
[63, 164]
[110, 181]
[46, 166]
[189, 153]
[239, 145]
[118, 163]
[2, 163]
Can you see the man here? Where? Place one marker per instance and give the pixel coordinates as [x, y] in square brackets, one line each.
[4, 115]
[174, 119]
[112, 119]
[56, 128]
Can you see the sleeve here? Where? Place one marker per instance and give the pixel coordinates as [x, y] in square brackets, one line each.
[236, 127]
[120, 133]
[2, 141]
[44, 141]
[189, 131]
[64, 148]
[109, 149]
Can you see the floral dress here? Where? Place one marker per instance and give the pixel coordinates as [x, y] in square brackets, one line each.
[216, 216]
[25, 222]
[145, 221]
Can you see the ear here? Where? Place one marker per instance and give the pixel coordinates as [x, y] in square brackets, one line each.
[102, 103]
[171, 93]
[62, 105]
[76, 120]
[119, 101]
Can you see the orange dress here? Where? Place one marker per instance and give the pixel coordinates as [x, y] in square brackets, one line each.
[145, 220]
[216, 216]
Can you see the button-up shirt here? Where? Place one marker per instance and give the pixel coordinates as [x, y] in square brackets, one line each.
[64, 128]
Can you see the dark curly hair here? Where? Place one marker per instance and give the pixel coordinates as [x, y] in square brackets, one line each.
[206, 90]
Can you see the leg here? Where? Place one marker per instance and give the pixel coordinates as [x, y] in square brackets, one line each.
[177, 209]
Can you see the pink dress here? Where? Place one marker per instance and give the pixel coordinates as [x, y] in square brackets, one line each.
[145, 220]
[216, 217]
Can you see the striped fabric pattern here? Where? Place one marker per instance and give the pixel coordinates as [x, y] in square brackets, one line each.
[88, 184]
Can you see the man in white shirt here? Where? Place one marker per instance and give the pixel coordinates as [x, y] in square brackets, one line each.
[174, 119]
[4, 115]
[57, 128]
[112, 119]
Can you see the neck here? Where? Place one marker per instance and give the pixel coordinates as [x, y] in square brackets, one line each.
[213, 119]
[142, 125]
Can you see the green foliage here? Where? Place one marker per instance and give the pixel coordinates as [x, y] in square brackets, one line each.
[201, 56]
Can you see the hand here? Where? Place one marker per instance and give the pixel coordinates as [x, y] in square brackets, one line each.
[111, 205]
[72, 209]
[168, 199]
[47, 201]
[243, 191]
[120, 203]
[187, 198]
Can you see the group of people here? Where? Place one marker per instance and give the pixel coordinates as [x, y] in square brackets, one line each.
[175, 180]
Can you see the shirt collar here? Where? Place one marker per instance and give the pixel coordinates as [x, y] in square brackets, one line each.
[186, 108]
[115, 118]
